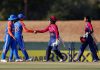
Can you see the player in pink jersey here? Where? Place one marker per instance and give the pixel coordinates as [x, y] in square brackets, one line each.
[54, 39]
[88, 40]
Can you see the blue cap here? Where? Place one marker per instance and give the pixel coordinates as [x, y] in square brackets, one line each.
[21, 16]
[12, 17]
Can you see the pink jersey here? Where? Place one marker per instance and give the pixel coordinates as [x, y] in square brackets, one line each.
[53, 29]
[88, 27]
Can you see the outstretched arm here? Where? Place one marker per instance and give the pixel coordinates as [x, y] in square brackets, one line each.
[42, 31]
[25, 29]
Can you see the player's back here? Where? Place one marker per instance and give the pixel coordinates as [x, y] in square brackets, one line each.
[18, 29]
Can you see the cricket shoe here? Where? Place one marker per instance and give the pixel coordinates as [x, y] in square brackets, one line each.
[18, 60]
[3, 60]
[95, 60]
[30, 59]
[61, 60]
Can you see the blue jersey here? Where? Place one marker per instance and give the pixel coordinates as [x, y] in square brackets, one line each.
[18, 29]
[19, 39]
[9, 41]
[6, 30]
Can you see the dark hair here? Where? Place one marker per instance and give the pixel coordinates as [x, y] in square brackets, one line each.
[16, 20]
[88, 19]
[53, 22]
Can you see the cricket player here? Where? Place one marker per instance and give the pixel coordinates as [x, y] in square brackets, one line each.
[54, 39]
[9, 39]
[89, 40]
[19, 28]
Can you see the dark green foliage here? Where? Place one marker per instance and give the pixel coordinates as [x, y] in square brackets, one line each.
[42, 9]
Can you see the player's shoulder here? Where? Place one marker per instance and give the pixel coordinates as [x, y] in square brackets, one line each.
[22, 23]
[54, 25]
[9, 23]
[89, 24]
[17, 22]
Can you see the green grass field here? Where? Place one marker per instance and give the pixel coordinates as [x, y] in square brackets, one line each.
[49, 66]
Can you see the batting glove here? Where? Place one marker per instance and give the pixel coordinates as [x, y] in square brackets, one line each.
[86, 35]
[56, 43]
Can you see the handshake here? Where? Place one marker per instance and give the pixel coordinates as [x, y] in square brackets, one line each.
[35, 31]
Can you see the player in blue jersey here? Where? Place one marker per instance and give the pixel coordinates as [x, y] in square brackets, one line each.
[86, 40]
[9, 38]
[19, 28]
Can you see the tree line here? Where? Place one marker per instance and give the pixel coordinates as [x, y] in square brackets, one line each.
[42, 9]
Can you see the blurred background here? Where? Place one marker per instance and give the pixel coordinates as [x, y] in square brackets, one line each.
[42, 9]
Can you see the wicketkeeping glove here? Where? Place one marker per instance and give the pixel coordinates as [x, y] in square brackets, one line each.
[83, 39]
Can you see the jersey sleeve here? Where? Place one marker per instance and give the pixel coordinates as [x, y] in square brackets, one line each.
[44, 30]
